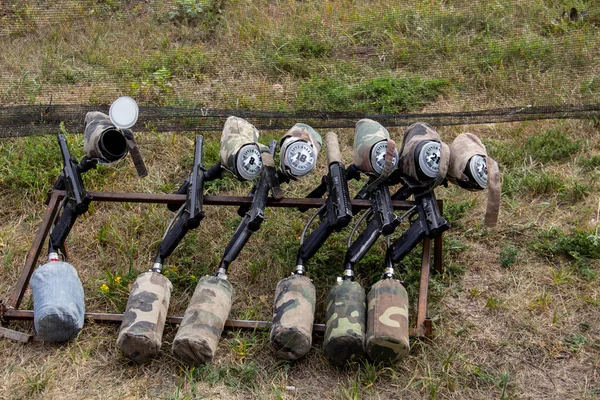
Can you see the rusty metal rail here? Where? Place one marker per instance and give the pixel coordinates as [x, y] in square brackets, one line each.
[10, 310]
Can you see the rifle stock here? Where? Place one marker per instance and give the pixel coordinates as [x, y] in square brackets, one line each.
[213, 173]
[77, 199]
[429, 223]
[337, 207]
[351, 172]
[192, 212]
[383, 221]
[72, 179]
[253, 217]
[196, 190]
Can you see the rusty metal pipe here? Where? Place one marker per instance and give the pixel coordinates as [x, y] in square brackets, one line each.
[423, 289]
[36, 248]
[11, 311]
[27, 315]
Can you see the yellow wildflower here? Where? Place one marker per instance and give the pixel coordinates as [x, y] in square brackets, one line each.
[192, 277]
[118, 279]
[104, 288]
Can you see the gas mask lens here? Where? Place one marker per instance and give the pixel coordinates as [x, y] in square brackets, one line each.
[249, 162]
[378, 156]
[428, 158]
[477, 171]
[299, 157]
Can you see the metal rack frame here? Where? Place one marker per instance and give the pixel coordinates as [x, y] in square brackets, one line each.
[10, 310]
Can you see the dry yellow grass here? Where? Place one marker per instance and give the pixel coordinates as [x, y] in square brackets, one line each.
[515, 315]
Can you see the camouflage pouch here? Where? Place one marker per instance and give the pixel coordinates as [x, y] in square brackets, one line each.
[387, 321]
[102, 140]
[345, 322]
[374, 152]
[140, 336]
[240, 152]
[293, 316]
[424, 158]
[471, 168]
[300, 147]
[198, 336]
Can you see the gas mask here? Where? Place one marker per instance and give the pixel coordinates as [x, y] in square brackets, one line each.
[374, 152]
[424, 157]
[299, 149]
[241, 153]
[471, 168]
[108, 139]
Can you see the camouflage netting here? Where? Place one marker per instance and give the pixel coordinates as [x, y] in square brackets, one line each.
[192, 63]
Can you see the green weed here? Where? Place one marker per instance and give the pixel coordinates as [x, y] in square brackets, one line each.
[452, 246]
[454, 270]
[463, 329]
[352, 391]
[542, 183]
[453, 212]
[297, 56]
[249, 313]
[588, 299]
[157, 89]
[240, 377]
[541, 302]
[181, 280]
[575, 342]
[534, 183]
[484, 376]
[552, 145]
[580, 248]
[115, 288]
[575, 192]
[23, 21]
[369, 373]
[240, 345]
[195, 12]
[185, 62]
[577, 244]
[519, 53]
[561, 276]
[508, 256]
[590, 86]
[28, 168]
[494, 303]
[589, 163]
[506, 152]
[7, 257]
[27, 87]
[37, 383]
[379, 95]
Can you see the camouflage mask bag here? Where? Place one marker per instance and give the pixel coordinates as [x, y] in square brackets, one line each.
[374, 152]
[387, 322]
[300, 147]
[293, 317]
[424, 158]
[471, 168]
[140, 336]
[345, 319]
[198, 336]
[240, 152]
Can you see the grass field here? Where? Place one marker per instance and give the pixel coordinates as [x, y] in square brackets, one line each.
[516, 311]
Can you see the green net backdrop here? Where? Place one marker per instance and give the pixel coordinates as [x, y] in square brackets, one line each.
[333, 61]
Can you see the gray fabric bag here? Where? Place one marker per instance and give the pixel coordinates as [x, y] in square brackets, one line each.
[58, 301]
